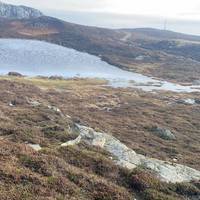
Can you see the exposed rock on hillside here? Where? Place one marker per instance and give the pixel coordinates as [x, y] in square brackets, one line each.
[126, 157]
[163, 133]
[18, 12]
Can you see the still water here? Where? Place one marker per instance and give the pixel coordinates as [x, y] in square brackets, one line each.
[33, 58]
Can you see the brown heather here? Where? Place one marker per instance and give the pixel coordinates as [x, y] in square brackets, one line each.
[84, 172]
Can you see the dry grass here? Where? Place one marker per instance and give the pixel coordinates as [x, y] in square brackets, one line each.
[84, 172]
[127, 114]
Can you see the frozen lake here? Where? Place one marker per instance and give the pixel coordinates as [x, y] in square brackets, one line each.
[33, 58]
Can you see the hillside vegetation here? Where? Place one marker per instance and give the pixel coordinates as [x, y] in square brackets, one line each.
[43, 111]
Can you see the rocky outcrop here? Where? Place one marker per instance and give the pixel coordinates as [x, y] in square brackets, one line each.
[126, 157]
[18, 12]
[15, 74]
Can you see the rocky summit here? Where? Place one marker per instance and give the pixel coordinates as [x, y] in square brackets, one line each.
[18, 12]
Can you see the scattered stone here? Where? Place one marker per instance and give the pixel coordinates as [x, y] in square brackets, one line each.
[15, 74]
[67, 116]
[186, 101]
[36, 147]
[11, 105]
[126, 157]
[72, 142]
[139, 58]
[54, 109]
[34, 103]
[107, 109]
[163, 133]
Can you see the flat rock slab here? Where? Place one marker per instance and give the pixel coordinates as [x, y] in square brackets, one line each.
[128, 158]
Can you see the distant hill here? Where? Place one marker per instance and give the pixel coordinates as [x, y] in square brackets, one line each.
[157, 34]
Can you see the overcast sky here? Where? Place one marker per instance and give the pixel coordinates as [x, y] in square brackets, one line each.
[182, 15]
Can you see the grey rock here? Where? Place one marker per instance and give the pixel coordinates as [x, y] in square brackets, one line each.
[186, 101]
[55, 109]
[10, 104]
[18, 12]
[36, 147]
[197, 101]
[126, 157]
[34, 103]
[163, 133]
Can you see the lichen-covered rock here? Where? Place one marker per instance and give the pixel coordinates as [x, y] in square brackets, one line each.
[36, 147]
[128, 158]
[163, 133]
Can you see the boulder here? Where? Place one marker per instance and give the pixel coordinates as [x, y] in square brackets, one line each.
[55, 109]
[186, 101]
[163, 133]
[126, 157]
